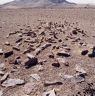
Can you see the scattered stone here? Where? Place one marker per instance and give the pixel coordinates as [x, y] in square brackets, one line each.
[49, 93]
[80, 70]
[19, 34]
[63, 53]
[19, 40]
[31, 61]
[8, 54]
[16, 48]
[4, 77]
[2, 73]
[51, 56]
[74, 32]
[77, 78]
[35, 76]
[30, 56]
[48, 83]
[84, 52]
[56, 64]
[7, 36]
[31, 41]
[7, 43]
[68, 76]
[1, 52]
[38, 50]
[92, 54]
[12, 82]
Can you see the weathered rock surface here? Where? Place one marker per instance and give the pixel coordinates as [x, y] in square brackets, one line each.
[12, 82]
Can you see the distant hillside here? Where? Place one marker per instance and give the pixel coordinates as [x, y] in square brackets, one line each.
[37, 3]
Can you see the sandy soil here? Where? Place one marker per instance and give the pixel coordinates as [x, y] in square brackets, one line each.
[72, 30]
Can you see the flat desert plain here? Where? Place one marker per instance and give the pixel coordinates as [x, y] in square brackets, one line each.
[47, 52]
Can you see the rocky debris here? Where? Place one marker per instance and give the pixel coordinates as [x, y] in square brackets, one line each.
[8, 54]
[84, 52]
[49, 83]
[63, 53]
[1, 51]
[35, 41]
[4, 77]
[56, 64]
[38, 50]
[49, 93]
[12, 82]
[35, 77]
[31, 61]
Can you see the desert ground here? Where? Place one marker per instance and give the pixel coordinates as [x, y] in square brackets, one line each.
[47, 52]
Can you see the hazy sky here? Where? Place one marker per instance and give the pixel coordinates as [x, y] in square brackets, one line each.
[76, 1]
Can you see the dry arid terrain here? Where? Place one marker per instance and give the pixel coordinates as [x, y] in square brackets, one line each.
[47, 52]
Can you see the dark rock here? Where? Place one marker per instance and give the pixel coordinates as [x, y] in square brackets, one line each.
[74, 32]
[84, 52]
[32, 61]
[19, 40]
[8, 54]
[48, 83]
[63, 53]
[16, 48]
[56, 64]
[60, 40]
[51, 56]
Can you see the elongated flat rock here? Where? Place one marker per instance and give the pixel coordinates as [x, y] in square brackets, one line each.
[12, 82]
